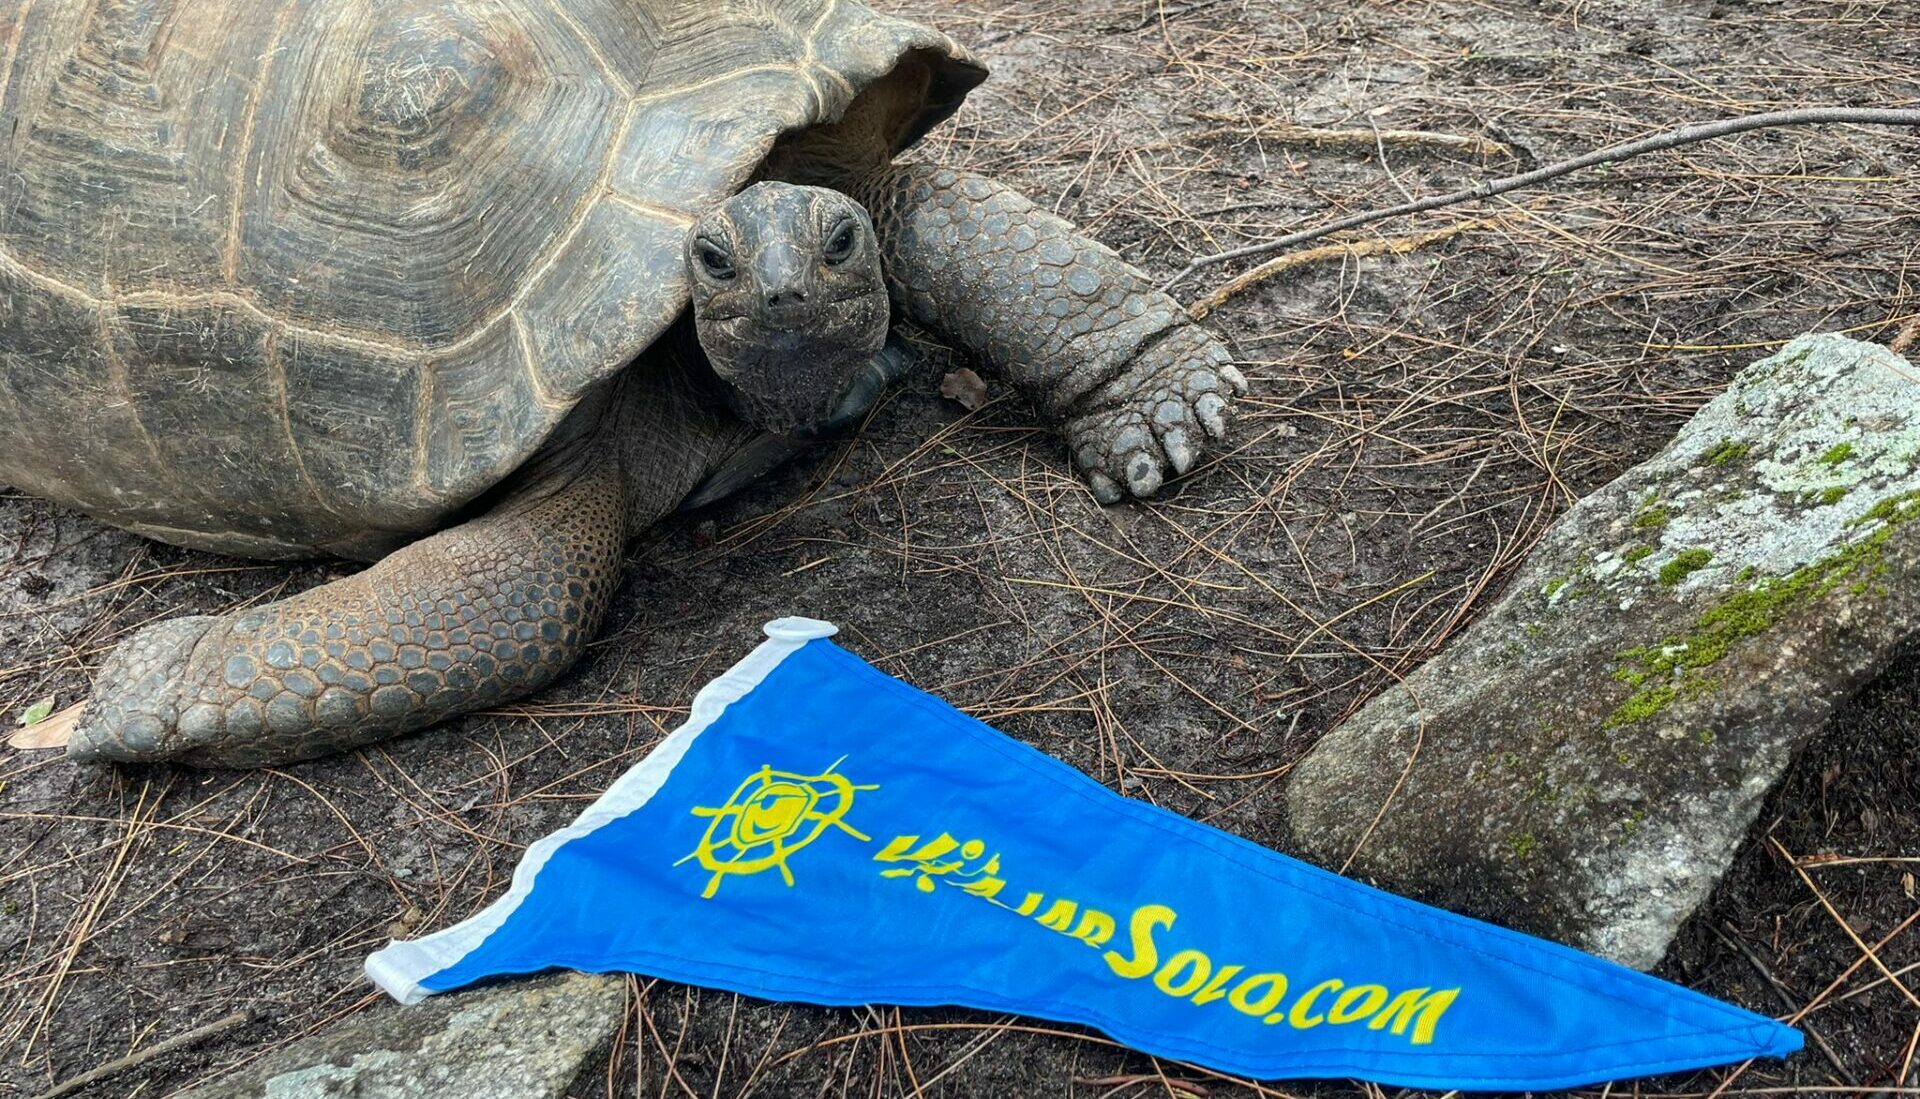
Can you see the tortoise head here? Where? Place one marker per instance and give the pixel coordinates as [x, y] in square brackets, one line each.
[789, 304]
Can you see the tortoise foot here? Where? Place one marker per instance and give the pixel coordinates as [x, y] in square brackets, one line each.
[1152, 421]
[134, 714]
[467, 618]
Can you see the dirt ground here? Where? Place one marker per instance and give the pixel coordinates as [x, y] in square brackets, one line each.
[1417, 421]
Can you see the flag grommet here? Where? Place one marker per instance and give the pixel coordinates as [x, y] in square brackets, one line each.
[798, 629]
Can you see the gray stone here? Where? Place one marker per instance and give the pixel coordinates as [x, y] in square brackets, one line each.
[1583, 762]
[527, 1039]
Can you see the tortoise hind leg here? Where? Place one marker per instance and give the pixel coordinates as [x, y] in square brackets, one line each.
[467, 618]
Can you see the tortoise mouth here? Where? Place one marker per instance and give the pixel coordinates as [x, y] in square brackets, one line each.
[822, 314]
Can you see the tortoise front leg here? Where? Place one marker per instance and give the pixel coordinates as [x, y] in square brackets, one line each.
[1136, 386]
[467, 618]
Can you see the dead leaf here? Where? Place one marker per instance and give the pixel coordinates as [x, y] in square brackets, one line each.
[49, 732]
[37, 712]
[966, 388]
[410, 919]
[1906, 337]
[1907, 884]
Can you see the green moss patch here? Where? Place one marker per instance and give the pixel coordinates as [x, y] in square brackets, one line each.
[1832, 495]
[1893, 511]
[1836, 454]
[1662, 673]
[1725, 451]
[1644, 704]
[1684, 565]
[1652, 517]
[1637, 554]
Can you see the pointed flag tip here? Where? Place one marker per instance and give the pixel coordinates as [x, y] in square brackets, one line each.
[1783, 1040]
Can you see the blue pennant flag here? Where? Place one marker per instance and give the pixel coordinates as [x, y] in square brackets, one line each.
[821, 832]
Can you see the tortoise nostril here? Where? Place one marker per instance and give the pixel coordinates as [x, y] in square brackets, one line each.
[779, 299]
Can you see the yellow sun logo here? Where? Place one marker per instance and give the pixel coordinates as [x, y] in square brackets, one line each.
[771, 815]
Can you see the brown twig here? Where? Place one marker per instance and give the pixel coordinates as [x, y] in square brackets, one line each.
[1317, 137]
[1685, 135]
[1354, 249]
[1841, 921]
[1726, 936]
[140, 1057]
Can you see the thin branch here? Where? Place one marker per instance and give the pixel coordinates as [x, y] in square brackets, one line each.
[1357, 249]
[140, 1057]
[1686, 135]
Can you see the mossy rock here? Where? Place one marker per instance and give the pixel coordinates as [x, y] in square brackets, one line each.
[1737, 588]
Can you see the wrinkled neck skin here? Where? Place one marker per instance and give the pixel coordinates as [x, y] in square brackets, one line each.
[790, 383]
[665, 422]
[854, 155]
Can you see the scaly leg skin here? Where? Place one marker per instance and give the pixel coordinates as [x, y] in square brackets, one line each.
[464, 619]
[471, 617]
[1136, 386]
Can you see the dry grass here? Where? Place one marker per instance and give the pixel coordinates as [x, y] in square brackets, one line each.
[1418, 421]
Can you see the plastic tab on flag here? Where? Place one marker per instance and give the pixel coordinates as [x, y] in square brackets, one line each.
[821, 832]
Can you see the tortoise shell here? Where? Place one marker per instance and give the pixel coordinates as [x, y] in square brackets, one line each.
[279, 276]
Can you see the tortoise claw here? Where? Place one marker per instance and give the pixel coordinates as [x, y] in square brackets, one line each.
[1153, 421]
[1179, 451]
[1105, 491]
[1209, 409]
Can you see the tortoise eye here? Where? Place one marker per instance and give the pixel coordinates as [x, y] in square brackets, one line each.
[716, 262]
[840, 244]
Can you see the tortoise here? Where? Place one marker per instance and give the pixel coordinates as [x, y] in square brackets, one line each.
[476, 289]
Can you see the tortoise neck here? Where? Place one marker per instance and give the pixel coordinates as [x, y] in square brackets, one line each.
[662, 423]
[873, 187]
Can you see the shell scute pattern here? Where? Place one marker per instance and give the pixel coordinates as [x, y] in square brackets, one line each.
[425, 229]
[412, 161]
